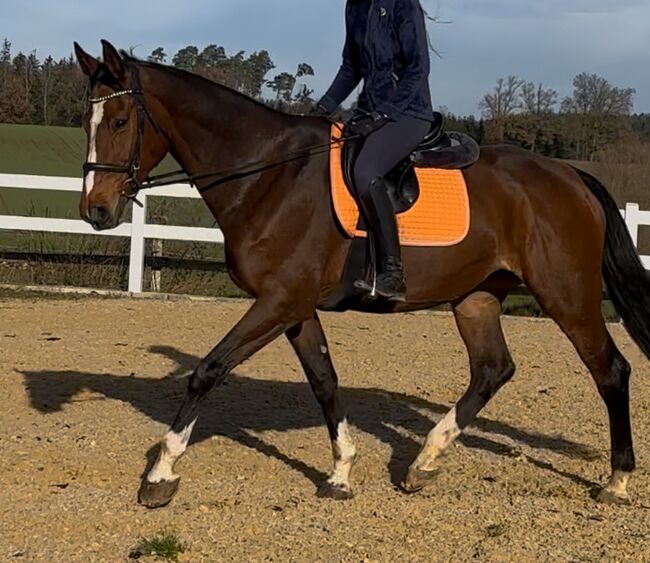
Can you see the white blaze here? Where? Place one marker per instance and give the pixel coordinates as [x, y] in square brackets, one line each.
[95, 121]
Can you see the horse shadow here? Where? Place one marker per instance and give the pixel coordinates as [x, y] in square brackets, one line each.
[243, 406]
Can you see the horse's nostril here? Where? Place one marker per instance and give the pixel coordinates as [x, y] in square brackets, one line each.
[99, 216]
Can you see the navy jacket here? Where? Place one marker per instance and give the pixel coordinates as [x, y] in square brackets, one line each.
[387, 47]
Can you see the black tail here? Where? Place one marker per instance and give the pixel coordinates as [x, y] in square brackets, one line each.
[628, 284]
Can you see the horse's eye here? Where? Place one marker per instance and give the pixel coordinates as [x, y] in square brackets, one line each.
[120, 123]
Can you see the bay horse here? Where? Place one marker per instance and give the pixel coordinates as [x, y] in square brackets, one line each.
[534, 221]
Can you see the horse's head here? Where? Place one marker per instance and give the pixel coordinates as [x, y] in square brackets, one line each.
[124, 141]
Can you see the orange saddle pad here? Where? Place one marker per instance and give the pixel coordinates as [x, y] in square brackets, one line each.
[440, 217]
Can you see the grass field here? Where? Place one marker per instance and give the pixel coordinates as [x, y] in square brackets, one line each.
[60, 151]
[44, 151]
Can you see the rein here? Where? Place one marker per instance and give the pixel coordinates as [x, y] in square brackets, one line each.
[132, 169]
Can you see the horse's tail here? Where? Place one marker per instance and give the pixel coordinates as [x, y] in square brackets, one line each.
[628, 284]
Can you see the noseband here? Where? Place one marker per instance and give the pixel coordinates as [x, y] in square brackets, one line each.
[132, 169]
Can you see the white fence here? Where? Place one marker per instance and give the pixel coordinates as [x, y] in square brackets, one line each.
[138, 230]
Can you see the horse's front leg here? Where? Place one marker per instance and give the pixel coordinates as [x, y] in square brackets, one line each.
[265, 320]
[308, 340]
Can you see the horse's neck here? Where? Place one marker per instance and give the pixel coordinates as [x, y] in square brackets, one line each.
[220, 130]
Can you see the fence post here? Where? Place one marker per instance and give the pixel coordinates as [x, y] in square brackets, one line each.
[156, 274]
[632, 220]
[136, 258]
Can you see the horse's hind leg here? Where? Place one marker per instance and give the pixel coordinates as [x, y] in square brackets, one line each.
[311, 347]
[577, 310]
[479, 323]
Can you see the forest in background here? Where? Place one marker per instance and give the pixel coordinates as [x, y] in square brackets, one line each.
[596, 116]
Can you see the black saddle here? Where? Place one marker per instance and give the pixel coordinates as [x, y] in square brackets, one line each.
[439, 149]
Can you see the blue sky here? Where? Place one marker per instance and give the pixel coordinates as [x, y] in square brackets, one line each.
[540, 40]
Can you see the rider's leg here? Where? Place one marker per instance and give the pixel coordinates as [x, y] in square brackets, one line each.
[381, 152]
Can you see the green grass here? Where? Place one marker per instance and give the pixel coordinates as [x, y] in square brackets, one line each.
[165, 545]
[60, 151]
[495, 530]
[44, 151]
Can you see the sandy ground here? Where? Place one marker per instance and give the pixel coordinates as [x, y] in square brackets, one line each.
[88, 387]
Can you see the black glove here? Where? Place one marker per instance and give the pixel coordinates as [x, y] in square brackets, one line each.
[364, 124]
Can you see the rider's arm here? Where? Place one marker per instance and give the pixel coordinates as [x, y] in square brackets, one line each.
[414, 41]
[348, 77]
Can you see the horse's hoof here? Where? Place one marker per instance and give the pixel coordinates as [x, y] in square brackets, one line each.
[606, 496]
[157, 495]
[335, 492]
[418, 479]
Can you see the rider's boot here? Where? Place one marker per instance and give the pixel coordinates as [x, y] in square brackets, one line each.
[380, 219]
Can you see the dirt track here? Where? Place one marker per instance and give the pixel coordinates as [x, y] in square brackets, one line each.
[89, 386]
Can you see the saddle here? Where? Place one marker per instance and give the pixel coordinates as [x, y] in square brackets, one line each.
[439, 149]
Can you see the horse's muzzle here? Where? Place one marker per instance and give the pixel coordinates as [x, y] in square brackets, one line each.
[100, 218]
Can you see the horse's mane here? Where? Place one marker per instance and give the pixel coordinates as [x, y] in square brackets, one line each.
[210, 87]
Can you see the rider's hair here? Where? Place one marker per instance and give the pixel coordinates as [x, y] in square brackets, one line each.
[434, 19]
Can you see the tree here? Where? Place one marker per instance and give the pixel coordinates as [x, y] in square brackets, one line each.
[302, 101]
[56, 92]
[212, 56]
[504, 100]
[537, 100]
[304, 70]
[187, 58]
[258, 65]
[593, 94]
[498, 105]
[283, 85]
[597, 114]
[158, 55]
[5, 60]
[47, 72]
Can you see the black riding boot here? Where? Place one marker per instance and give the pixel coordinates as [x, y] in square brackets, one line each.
[380, 220]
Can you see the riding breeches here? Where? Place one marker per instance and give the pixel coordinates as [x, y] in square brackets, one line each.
[385, 148]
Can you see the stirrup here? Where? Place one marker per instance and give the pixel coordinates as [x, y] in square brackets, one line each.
[375, 289]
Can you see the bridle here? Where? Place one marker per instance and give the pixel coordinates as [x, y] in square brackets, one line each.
[132, 169]
[133, 185]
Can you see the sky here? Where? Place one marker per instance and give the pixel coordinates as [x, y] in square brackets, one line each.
[548, 41]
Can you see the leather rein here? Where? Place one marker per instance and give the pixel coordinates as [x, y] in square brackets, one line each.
[132, 169]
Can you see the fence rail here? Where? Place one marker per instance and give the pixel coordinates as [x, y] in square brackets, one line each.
[139, 230]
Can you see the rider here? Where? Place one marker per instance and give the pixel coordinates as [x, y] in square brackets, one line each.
[388, 47]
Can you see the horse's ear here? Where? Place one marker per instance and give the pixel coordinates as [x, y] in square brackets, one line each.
[113, 60]
[89, 64]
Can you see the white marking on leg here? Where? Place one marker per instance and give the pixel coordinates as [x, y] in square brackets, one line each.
[345, 454]
[171, 448]
[438, 440]
[618, 483]
[323, 350]
[95, 122]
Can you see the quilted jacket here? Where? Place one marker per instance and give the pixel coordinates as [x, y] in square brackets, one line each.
[387, 47]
